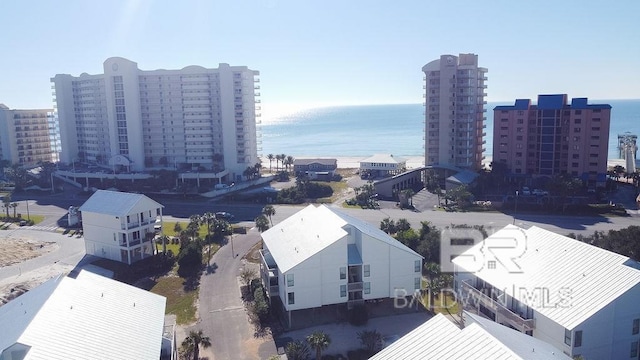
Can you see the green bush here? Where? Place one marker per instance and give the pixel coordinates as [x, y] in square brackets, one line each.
[190, 259]
[260, 304]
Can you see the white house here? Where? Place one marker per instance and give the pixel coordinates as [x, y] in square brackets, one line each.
[582, 299]
[321, 256]
[382, 165]
[440, 339]
[89, 317]
[119, 226]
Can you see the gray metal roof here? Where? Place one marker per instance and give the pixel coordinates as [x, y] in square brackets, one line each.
[89, 317]
[114, 202]
[440, 339]
[579, 279]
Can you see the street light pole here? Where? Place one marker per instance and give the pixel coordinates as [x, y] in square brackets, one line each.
[516, 208]
[233, 254]
[28, 217]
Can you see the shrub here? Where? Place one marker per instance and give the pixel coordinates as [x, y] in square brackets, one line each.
[190, 259]
[297, 350]
[260, 305]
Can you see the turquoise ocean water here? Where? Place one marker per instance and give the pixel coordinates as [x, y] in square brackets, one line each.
[393, 129]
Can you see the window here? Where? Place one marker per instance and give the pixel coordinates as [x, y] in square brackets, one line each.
[416, 283]
[577, 340]
[567, 336]
[578, 121]
[416, 266]
[343, 290]
[343, 273]
[291, 298]
[367, 287]
[290, 280]
[636, 327]
[634, 350]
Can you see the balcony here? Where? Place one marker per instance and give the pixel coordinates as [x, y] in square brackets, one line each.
[355, 286]
[503, 314]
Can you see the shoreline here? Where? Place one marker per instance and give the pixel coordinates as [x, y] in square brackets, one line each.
[350, 162]
[413, 162]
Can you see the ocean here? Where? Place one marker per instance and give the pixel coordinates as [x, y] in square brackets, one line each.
[364, 130]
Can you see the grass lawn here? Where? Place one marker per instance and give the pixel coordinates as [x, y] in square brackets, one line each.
[442, 304]
[338, 188]
[167, 228]
[179, 302]
[36, 218]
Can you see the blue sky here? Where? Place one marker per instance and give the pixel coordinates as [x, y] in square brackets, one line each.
[329, 52]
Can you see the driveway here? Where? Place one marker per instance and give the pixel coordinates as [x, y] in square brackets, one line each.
[222, 316]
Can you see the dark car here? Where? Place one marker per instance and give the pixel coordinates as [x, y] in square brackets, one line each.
[223, 215]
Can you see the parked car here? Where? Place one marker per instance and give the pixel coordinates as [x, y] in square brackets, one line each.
[540, 192]
[526, 191]
[223, 215]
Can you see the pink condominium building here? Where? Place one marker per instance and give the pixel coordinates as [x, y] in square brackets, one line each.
[553, 137]
[454, 111]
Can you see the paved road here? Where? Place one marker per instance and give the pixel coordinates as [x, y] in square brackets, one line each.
[222, 314]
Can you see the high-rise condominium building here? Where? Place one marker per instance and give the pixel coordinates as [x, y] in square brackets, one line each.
[28, 137]
[193, 118]
[454, 111]
[553, 137]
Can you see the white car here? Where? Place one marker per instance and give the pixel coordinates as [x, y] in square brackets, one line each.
[526, 191]
[540, 192]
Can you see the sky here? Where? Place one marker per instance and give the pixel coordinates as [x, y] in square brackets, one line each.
[323, 53]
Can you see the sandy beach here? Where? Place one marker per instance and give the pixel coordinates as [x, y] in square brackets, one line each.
[350, 162]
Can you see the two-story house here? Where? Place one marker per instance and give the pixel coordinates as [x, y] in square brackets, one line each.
[321, 256]
[315, 168]
[120, 226]
[582, 299]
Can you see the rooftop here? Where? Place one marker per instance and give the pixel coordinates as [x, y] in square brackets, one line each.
[439, 338]
[591, 277]
[113, 202]
[384, 158]
[89, 317]
[312, 229]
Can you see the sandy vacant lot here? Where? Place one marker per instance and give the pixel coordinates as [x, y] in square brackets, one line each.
[17, 248]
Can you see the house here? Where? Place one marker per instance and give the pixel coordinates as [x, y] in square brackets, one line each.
[87, 317]
[119, 226]
[320, 256]
[440, 339]
[382, 165]
[577, 297]
[315, 168]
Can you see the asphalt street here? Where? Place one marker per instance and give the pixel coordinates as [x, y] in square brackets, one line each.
[222, 314]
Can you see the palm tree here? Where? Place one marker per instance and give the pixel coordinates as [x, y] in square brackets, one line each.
[194, 226]
[283, 157]
[262, 223]
[192, 343]
[270, 157]
[268, 211]
[165, 240]
[402, 225]
[318, 341]
[6, 202]
[14, 206]
[278, 158]
[207, 220]
[289, 161]
[408, 193]
[432, 270]
[297, 350]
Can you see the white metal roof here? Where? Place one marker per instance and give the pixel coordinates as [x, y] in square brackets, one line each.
[574, 279]
[312, 229]
[384, 159]
[114, 202]
[89, 317]
[439, 339]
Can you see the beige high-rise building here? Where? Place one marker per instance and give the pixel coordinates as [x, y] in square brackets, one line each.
[192, 118]
[454, 111]
[28, 137]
